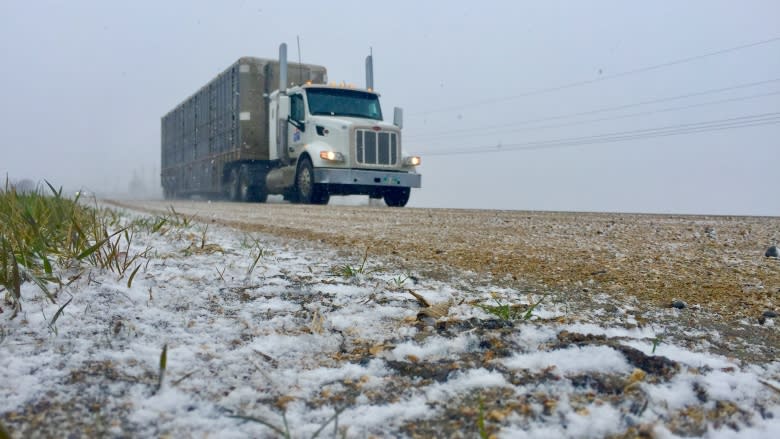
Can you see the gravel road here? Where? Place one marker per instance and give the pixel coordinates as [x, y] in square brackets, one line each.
[714, 263]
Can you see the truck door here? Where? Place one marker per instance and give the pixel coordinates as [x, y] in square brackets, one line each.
[297, 125]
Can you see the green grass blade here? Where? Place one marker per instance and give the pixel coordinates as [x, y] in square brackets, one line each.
[30, 217]
[59, 312]
[163, 365]
[89, 251]
[164, 358]
[254, 264]
[363, 264]
[57, 194]
[528, 314]
[481, 420]
[132, 275]
[79, 235]
[46, 264]
[159, 225]
[16, 278]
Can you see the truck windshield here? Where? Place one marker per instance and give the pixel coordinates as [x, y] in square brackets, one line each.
[343, 102]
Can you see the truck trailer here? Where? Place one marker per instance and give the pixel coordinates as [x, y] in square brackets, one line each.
[266, 127]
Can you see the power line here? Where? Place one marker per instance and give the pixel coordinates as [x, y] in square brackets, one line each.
[640, 133]
[670, 130]
[610, 140]
[481, 131]
[608, 109]
[602, 78]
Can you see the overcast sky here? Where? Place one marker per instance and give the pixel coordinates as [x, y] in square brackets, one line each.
[83, 85]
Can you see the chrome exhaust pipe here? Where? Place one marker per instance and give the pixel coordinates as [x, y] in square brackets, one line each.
[282, 68]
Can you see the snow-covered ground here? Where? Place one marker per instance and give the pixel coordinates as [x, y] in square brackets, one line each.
[291, 343]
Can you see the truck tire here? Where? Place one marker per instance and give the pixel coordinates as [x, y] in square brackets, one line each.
[307, 190]
[397, 197]
[247, 191]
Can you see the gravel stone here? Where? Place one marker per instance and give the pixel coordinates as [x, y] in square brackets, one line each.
[679, 304]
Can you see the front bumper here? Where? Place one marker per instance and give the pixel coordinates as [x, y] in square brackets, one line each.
[366, 178]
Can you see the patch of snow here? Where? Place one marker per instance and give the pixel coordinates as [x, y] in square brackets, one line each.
[434, 348]
[572, 360]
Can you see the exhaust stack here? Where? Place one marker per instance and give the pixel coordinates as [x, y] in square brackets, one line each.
[282, 68]
[370, 72]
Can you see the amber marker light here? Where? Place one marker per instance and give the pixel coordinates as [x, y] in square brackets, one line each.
[332, 156]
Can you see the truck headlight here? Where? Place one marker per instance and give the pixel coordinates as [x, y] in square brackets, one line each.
[332, 156]
[412, 161]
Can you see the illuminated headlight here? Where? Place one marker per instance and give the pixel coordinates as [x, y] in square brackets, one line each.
[412, 161]
[332, 156]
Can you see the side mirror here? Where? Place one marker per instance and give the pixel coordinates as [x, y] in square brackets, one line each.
[398, 117]
[284, 107]
[296, 123]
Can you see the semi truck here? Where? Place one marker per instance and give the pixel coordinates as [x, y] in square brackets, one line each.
[267, 126]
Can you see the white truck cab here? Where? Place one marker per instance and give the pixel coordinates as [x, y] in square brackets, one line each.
[334, 141]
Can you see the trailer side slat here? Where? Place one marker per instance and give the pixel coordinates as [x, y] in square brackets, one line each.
[205, 135]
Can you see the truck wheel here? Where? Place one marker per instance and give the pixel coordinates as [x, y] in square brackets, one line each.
[248, 191]
[309, 192]
[397, 197]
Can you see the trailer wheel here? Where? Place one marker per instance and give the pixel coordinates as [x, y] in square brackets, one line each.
[248, 191]
[309, 192]
[397, 197]
[233, 191]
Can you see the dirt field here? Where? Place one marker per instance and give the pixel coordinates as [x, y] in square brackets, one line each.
[716, 264]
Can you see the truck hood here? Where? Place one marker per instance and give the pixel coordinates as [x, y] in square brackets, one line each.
[347, 122]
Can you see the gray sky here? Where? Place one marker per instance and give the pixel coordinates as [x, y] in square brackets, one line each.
[83, 85]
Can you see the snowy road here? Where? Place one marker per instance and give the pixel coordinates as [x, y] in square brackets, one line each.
[264, 331]
[714, 262]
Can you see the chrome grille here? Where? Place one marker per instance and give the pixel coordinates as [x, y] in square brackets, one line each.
[376, 147]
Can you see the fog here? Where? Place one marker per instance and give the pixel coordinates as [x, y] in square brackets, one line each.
[508, 103]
